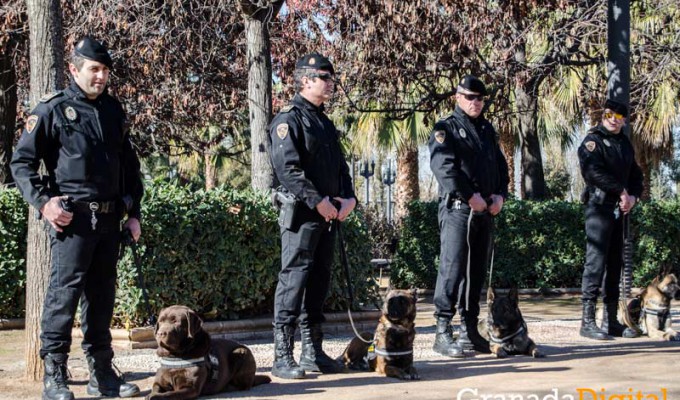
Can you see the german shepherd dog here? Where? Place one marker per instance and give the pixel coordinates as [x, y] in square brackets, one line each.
[505, 327]
[391, 351]
[650, 311]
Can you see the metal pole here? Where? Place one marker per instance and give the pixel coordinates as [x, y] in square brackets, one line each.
[618, 53]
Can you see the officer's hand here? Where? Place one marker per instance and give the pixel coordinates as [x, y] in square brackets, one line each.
[477, 203]
[497, 204]
[55, 215]
[326, 209]
[625, 202]
[135, 228]
[346, 207]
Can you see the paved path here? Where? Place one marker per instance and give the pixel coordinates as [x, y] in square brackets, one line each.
[575, 368]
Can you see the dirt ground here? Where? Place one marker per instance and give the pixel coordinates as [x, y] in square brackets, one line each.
[575, 367]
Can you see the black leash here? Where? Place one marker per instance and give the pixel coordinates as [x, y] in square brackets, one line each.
[129, 241]
[345, 266]
[627, 274]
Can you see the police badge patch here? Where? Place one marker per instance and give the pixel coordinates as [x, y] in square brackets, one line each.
[282, 131]
[305, 121]
[71, 113]
[590, 145]
[462, 133]
[439, 136]
[606, 143]
[31, 122]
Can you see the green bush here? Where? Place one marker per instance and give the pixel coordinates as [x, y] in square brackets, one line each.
[194, 251]
[539, 244]
[13, 213]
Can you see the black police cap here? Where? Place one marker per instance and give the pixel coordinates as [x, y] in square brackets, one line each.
[92, 50]
[617, 107]
[473, 84]
[315, 61]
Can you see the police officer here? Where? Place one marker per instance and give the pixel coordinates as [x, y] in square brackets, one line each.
[473, 183]
[308, 161]
[613, 185]
[91, 172]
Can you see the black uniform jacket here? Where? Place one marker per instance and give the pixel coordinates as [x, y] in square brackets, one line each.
[465, 157]
[306, 153]
[608, 162]
[85, 147]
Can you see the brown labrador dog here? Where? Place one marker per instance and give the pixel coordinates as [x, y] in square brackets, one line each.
[650, 311]
[391, 352]
[505, 328]
[193, 364]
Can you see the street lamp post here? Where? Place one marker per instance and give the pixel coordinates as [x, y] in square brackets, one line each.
[389, 177]
[367, 174]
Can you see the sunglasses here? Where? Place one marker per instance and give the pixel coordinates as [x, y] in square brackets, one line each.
[472, 97]
[610, 114]
[323, 77]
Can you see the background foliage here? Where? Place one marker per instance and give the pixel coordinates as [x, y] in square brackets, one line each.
[539, 244]
[215, 251]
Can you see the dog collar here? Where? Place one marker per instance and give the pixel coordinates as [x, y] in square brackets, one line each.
[507, 338]
[656, 311]
[385, 353]
[173, 362]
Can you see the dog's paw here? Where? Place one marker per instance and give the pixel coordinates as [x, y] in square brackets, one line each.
[535, 353]
[671, 336]
[500, 353]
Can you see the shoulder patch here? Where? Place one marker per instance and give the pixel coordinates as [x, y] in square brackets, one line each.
[287, 108]
[590, 145]
[50, 96]
[439, 136]
[282, 131]
[31, 122]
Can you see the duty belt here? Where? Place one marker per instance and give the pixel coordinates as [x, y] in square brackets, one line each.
[99, 207]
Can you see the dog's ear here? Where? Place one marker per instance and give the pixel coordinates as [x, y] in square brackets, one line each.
[490, 295]
[155, 329]
[194, 323]
[513, 294]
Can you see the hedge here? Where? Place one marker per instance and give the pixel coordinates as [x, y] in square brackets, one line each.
[13, 217]
[198, 250]
[539, 244]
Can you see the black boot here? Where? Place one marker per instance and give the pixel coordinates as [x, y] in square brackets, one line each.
[469, 337]
[589, 328]
[611, 324]
[444, 343]
[284, 364]
[313, 358]
[56, 377]
[104, 381]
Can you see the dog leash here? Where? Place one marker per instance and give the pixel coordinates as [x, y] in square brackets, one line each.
[129, 241]
[627, 274]
[350, 295]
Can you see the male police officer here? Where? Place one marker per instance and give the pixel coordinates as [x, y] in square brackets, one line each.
[613, 185]
[79, 134]
[473, 184]
[308, 161]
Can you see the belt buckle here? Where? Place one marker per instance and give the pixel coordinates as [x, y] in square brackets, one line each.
[94, 206]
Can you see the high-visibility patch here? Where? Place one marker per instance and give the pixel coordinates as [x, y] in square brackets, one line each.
[282, 131]
[590, 145]
[439, 136]
[31, 122]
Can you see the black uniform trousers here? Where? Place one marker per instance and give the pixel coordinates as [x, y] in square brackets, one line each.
[604, 253]
[452, 280]
[83, 269]
[306, 259]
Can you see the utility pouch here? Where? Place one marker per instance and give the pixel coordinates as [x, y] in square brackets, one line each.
[287, 205]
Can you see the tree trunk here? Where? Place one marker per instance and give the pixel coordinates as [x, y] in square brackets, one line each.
[533, 181]
[407, 183]
[46, 62]
[210, 171]
[259, 89]
[507, 143]
[8, 110]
